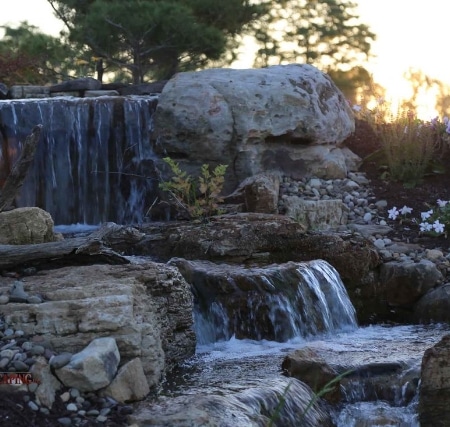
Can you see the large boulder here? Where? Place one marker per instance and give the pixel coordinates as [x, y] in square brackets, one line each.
[289, 118]
[146, 308]
[23, 226]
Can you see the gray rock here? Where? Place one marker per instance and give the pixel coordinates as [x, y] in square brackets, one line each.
[60, 360]
[284, 118]
[93, 368]
[27, 225]
[17, 293]
[129, 384]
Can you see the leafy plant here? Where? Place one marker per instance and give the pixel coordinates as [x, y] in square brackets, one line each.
[435, 222]
[199, 199]
[409, 145]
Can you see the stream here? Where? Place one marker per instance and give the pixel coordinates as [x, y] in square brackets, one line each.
[235, 365]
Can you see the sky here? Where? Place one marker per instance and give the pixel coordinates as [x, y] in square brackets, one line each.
[410, 35]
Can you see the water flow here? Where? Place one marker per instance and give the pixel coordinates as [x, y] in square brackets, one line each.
[276, 303]
[94, 162]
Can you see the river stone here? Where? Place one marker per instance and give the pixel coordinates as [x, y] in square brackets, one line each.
[146, 308]
[256, 120]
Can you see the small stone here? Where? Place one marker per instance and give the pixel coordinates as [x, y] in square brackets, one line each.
[101, 419]
[367, 217]
[4, 362]
[34, 299]
[44, 411]
[17, 293]
[8, 332]
[27, 346]
[20, 366]
[37, 350]
[33, 406]
[65, 396]
[4, 299]
[93, 413]
[60, 360]
[65, 421]
[74, 393]
[72, 407]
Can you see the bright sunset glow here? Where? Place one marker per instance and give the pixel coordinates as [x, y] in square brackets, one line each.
[411, 34]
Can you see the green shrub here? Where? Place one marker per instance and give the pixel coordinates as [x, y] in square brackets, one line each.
[199, 199]
[409, 145]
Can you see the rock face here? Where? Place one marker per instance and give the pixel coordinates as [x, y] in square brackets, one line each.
[24, 226]
[434, 410]
[289, 118]
[146, 308]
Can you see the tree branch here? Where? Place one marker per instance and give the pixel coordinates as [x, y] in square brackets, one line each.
[19, 171]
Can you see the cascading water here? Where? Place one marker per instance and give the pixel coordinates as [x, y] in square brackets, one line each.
[304, 305]
[94, 162]
[277, 303]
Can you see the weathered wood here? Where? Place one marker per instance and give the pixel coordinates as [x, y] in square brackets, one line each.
[19, 171]
[77, 250]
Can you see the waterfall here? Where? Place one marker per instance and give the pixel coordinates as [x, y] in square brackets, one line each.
[278, 302]
[94, 162]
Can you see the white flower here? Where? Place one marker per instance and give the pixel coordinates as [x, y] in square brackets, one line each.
[426, 215]
[393, 213]
[442, 203]
[438, 227]
[425, 226]
[357, 108]
[405, 210]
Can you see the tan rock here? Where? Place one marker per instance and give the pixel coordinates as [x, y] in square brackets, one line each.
[146, 308]
[24, 226]
[130, 383]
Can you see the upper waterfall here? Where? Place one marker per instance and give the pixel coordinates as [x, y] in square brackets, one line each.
[94, 162]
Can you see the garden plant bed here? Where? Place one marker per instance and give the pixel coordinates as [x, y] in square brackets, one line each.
[422, 197]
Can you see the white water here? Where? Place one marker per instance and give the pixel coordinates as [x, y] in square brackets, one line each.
[235, 365]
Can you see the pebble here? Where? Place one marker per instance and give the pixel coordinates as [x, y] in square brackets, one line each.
[33, 406]
[72, 407]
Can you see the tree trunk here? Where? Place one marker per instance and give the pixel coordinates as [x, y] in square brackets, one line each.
[76, 251]
[19, 171]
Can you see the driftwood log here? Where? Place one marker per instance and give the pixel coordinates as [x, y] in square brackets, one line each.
[19, 171]
[98, 247]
